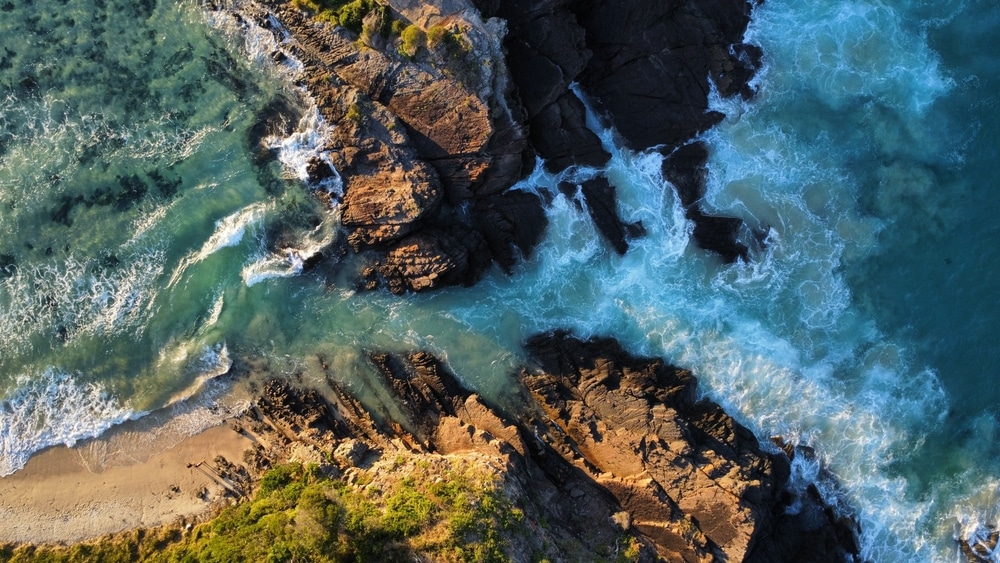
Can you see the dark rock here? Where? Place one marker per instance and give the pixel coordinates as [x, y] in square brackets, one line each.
[602, 204]
[734, 75]
[512, 224]
[685, 169]
[8, 266]
[276, 119]
[560, 135]
[546, 52]
[436, 257]
[718, 234]
[318, 171]
[652, 60]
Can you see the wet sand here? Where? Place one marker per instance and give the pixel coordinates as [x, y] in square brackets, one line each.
[114, 483]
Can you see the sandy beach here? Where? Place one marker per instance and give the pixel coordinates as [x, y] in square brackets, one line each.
[115, 483]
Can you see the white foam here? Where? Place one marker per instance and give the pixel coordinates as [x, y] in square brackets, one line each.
[272, 266]
[229, 232]
[52, 408]
[77, 297]
[305, 145]
[264, 46]
[265, 265]
[211, 362]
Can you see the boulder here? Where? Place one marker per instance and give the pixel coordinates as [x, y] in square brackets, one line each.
[512, 224]
[435, 257]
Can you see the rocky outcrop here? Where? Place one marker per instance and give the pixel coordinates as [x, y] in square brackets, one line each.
[648, 69]
[694, 481]
[418, 139]
[598, 196]
[599, 444]
[685, 169]
[421, 138]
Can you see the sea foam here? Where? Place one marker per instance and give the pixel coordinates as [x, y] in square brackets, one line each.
[50, 409]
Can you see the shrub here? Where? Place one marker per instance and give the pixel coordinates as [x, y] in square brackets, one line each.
[279, 477]
[411, 40]
[354, 113]
[437, 34]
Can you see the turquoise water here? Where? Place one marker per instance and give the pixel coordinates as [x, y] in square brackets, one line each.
[143, 251]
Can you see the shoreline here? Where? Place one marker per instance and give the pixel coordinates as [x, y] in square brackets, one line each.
[57, 499]
[152, 471]
[76, 494]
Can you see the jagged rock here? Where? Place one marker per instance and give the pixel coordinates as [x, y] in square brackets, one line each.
[981, 547]
[652, 60]
[414, 139]
[694, 480]
[546, 52]
[560, 135]
[276, 119]
[685, 169]
[512, 224]
[435, 257]
[599, 444]
[719, 234]
[646, 67]
[600, 198]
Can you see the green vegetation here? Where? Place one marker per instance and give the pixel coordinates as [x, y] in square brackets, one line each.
[355, 113]
[438, 34]
[457, 512]
[349, 14]
[412, 39]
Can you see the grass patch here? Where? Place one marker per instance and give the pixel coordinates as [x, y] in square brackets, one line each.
[457, 512]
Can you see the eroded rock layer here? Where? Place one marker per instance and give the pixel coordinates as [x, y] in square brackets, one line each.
[601, 443]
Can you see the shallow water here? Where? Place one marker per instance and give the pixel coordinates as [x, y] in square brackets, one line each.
[142, 250]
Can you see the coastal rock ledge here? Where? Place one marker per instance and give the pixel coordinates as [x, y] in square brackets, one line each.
[599, 444]
[437, 107]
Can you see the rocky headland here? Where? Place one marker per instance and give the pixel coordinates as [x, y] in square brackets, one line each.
[597, 444]
[437, 108]
[598, 455]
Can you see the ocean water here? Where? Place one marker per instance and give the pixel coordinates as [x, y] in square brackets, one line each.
[144, 250]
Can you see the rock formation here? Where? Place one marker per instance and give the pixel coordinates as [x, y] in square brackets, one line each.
[425, 143]
[600, 443]
[648, 69]
[428, 137]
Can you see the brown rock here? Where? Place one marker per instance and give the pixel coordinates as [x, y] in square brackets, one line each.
[695, 481]
[435, 257]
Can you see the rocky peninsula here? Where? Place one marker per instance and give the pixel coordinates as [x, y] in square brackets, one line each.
[436, 108]
[600, 455]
